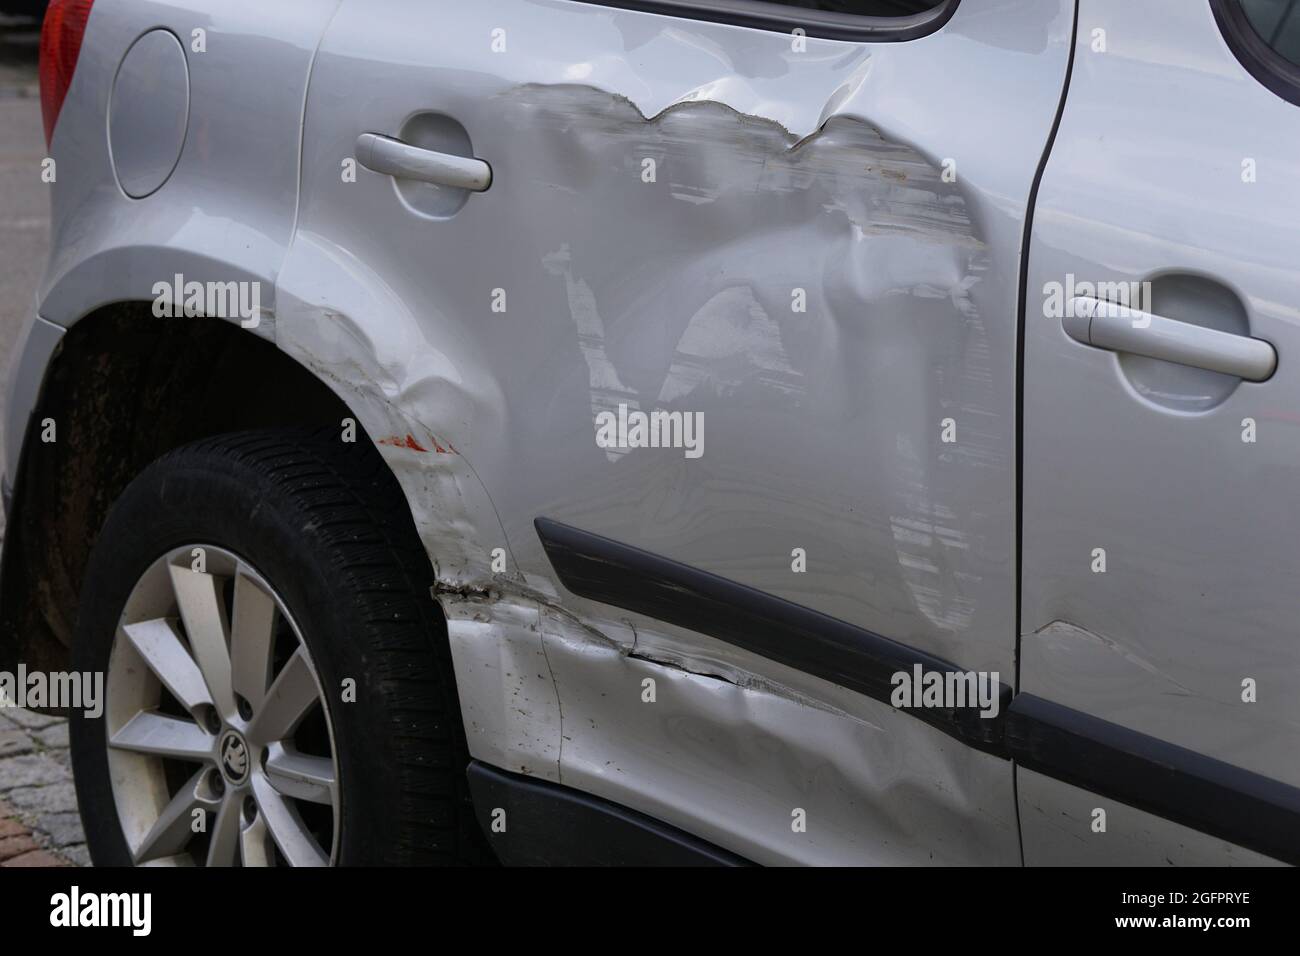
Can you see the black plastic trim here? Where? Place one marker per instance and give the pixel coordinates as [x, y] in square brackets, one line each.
[1133, 768]
[608, 571]
[1181, 785]
[547, 824]
[1264, 63]
[783, 18]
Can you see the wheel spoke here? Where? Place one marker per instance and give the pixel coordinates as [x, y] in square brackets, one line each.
[301, 776]
[252, 631]
[174, 829]
[287, 702]
[221, 652]
[149, 732]
[256, 848]
[285, 826]
[198, 595]
[223, 849]
[165, 653]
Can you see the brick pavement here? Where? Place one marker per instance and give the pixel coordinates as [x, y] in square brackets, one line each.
[39, 825]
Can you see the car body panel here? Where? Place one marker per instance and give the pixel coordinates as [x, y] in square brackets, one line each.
[33, 350]
[227, 210]
[1147, 459]
[1060, 826]
[893, 196]
[825, 173]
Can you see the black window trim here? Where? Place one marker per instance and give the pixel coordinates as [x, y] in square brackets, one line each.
[783, 18]
[1268, 66]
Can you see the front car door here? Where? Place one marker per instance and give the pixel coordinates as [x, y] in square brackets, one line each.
[706, 405]
[1159, 635]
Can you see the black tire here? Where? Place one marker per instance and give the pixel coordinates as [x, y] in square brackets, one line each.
[326, 524]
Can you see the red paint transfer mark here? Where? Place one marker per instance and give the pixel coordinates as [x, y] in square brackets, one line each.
[399, 442]
[409, 442]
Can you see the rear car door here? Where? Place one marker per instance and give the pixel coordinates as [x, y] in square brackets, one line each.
[1159, 620]
[797, 231]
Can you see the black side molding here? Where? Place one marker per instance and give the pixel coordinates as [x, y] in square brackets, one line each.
[603, 570]
[1173, 782]
[1133, 768]
[551, 825]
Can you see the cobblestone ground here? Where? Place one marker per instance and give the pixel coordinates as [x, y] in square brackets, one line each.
[39, 825]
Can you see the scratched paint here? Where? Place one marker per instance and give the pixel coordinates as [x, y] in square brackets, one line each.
[886, 255]
[772, 171]
[883, 249]
[398, 441]
[820, 169]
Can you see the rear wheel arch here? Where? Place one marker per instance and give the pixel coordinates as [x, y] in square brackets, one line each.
[123, 388]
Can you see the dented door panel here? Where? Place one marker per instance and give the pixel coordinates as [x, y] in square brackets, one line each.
[819, 265]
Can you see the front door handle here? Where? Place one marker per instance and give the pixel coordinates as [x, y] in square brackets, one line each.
[386, 155]
[1107, 325]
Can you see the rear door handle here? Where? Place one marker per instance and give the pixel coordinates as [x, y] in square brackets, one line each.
[1107, 325]
[386, 155]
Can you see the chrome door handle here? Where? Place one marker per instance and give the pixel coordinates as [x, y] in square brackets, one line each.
[1107, 325]
[386, 155]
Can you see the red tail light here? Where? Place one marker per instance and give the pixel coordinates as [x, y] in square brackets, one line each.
[65, 25]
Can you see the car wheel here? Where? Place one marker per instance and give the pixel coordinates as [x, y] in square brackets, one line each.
[278, 687]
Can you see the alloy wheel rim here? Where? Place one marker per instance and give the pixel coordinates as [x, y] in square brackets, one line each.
[220, 747]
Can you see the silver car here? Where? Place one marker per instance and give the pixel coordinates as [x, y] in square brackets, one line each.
[667, 431]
